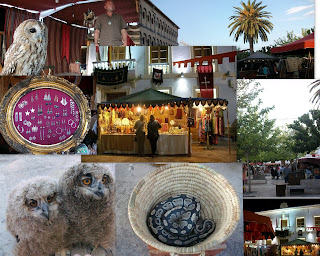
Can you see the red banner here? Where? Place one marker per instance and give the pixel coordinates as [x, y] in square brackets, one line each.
[205, 76]
[65, 42]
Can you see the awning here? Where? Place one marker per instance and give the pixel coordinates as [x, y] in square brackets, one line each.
[257, 227]
[40, 6]
[312, 160]
[219, 57]
[152, 97]
[258, 56]
[306, 42]
[74, 14]
[297, 242]
[313, 228]
[128, 9]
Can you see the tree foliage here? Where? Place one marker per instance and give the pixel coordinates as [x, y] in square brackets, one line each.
[289, 38]
[306, 132]
[251, 21]
[256, 133]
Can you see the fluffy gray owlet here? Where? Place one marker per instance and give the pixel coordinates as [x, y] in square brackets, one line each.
[88, 194]
[34, 217]
[28, 53]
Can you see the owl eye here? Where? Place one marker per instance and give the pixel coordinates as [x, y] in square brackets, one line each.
[49, 199]
[87, 181]
[104, 180]
[33, 203]
[33, 30]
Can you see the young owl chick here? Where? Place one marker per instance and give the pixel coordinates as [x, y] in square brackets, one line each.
[28, 53]
[88, 193]
[34, 217]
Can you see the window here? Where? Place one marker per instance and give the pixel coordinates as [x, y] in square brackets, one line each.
[284, 223]
[316, 221]
[119, 52]
[300, 222]
[158, 54]
[202, 51]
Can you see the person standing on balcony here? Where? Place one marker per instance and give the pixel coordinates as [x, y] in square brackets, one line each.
[110, 28]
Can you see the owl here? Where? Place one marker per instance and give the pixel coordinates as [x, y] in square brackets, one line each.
[88, 194]
[28, 53]
[34, 218]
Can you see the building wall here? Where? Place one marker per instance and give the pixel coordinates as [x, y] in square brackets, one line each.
[177, 85]
[293, 213]
[155, 27]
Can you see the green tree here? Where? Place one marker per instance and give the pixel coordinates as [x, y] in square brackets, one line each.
[306, 132]
[255, 130]
[252, 22]
[289, 38]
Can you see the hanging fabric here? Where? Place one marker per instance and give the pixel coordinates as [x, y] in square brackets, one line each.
[205, 79]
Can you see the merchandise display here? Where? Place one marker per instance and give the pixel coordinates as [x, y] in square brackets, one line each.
[44, 115]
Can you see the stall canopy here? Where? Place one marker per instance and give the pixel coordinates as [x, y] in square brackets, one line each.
[305, 43]
[297, 242]
[257, 227]
[152, 97]
[74, 14]
[258, 56]
[312, 160]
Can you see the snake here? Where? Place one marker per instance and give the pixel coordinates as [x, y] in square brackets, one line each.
[176, 221]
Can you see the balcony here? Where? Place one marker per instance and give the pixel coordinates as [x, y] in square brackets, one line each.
[131, 63]
[163, 66]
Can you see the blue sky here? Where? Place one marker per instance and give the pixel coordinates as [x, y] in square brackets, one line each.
[205, 22]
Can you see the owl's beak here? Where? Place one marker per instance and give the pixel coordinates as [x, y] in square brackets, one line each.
[99, 191]
[45, 210]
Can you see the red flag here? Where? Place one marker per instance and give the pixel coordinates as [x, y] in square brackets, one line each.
[205, 76]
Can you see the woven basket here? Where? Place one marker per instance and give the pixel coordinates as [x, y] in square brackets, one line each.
[219, 202]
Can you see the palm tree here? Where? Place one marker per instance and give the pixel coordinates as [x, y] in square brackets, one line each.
[251, 21]
[316, 96]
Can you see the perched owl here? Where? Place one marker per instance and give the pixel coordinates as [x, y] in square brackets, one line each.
[28, 53]
[34, 217]
[88, 194]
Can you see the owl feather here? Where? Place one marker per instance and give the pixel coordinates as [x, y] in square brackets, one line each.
[89, 209]
[39, 228]
[28, 53]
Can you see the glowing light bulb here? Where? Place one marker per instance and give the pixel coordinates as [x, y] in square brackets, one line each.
[139, 109]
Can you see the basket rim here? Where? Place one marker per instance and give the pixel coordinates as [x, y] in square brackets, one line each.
[198, 248]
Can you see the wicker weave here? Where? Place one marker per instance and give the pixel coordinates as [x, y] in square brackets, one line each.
[219, 202]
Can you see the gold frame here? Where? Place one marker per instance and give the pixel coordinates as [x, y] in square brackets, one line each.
[11, 98]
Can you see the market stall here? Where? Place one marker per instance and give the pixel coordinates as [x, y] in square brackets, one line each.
[258, 234]
[257, 65]
[297, 57]
[298, 245]
[177, 116]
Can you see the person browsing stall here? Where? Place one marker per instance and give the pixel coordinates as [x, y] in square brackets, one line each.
[153, 134]
[110, 28]
[140, 127]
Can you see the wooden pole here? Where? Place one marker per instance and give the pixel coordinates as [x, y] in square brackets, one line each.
[228, 132]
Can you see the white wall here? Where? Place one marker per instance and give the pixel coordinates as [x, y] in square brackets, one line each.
[307, 212]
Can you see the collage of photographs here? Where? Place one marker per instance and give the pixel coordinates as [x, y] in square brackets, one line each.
[159, 128]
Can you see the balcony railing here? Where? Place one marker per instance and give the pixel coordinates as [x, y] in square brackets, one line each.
[131, 63]
[162, 66]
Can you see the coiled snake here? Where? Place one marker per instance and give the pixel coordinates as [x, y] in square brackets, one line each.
[177, 222]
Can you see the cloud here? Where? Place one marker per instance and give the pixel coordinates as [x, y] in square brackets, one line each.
[299, 9]
[295, 18]
[311, 13]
